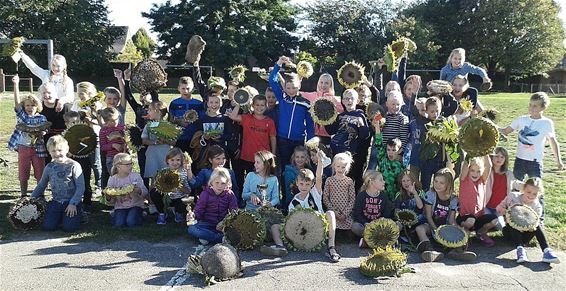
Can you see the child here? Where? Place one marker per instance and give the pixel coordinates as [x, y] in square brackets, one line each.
[272, 110]
[212, 206]
[178, 107]
[417, 129]
[48, 94]
[327, 170]
[57, 74]
[440, 208]
[157, 148]
[175, 161]
[299, 161]
[30, 147]
[294, 117]
[259, 132]
[457, 65]
[472, 199]
[214, 124]
[371, 204]
[67, 187]
[308, 197]
[111, 136]
[461, 90]
[410, 195]
[534, 129]
[339, 191]
[324, 88]
[396, 123]
[263, 175]
[499, 184]
[530, 191]
[113, 98]
[216, 158]
[389, 159]
[128, 209]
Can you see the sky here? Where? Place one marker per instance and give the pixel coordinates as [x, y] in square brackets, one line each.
[128, 13]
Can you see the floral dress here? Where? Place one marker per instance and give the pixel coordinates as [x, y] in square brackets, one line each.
[339, 196]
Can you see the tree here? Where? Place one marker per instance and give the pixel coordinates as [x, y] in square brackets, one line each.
[144, 43]
[130, 54]
[345, 30]
[80, 30]
[252, 32]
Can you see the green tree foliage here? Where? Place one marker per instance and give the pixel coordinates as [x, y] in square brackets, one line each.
[144, 43]
[130, 54]
[422, 34]
[80, 30]
[306, 56]
[344, 30]
[252, 32]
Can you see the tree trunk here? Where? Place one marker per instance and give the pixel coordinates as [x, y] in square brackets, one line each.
[507, 83]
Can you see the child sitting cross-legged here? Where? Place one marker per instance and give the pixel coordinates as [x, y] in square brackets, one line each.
[309, 196]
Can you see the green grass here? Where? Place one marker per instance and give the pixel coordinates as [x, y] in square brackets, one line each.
[99, 228]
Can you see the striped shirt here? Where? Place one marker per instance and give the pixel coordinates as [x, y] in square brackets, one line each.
[396, 126]
[18, 137]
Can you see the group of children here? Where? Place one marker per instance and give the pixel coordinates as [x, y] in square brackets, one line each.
[376, 167]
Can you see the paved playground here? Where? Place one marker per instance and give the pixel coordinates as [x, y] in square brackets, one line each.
[38, 262]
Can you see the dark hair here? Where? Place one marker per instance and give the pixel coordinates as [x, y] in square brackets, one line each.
[70, 115]
[394, 143]
[112, 90]
[186, 81]
[173, 153]
[403, 193]
[503, 151]
[432, 101]
[213, 152]
[259, 98]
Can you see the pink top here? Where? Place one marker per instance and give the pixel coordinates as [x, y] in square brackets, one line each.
[129, 200]
[110, 136]
[319, 130]
[472, 197]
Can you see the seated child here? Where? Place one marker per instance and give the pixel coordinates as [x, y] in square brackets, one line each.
[212, 206]
[299, 161]
[499, 184]
[263, 175]
[216, 158]
[410, 195]
[67, 186]
[128, 209]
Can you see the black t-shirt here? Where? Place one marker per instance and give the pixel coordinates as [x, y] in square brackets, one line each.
[56, 118]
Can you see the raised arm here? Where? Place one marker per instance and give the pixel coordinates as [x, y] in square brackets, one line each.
[17, 101]
[34, 68]
[274, 79]
[234, 114]
[486, 168]
[120, 79]
[464, 170]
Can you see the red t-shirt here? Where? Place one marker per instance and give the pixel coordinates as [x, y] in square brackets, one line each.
[256, 135]
[498, 191]
[472, 197]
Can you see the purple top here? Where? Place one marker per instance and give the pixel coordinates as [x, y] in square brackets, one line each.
[213, 208]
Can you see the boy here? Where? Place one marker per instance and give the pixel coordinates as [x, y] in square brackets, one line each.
[113, 98]
[294, 117]
[533, 129]
[309, 196]
[177, 109]
[389, 160]
[67, 186]
[271, 111]
[259, 133]
[111, 136]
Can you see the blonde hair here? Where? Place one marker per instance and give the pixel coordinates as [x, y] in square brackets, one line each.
[414, 78]
[86, 88]
[159, 105]
[460, 51]
[345, 157]
[220, 173]
[305, 175]
[62, 63]
[48, 86]
[299, 149]
[534, 182]
[109, 114]
[57, 141]
[350, 93]
[463, 78]
[395, 95]
[369, 176]
[119, 159]
[34, 100]
[542, 97]
[478, 161]
[448, 175]
[329, 77]
[392, 86]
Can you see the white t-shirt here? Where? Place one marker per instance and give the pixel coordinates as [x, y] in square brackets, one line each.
[532, 135]
[313, 200]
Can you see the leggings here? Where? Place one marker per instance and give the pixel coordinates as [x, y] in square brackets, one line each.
[157, 199]
[520, 238]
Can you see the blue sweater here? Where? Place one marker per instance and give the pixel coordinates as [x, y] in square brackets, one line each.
[66, 179]
[448, 73]
[294, 117]
[177, 109]
[347, 134]
[250, 186]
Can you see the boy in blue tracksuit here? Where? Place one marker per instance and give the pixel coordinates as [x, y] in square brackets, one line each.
[294, 117]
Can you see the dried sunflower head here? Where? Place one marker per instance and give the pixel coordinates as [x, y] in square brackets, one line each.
[381, 232]
[304, 69]
[387, 261]
[350, 75]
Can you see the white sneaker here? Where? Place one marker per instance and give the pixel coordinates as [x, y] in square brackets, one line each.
[203, 241]
[521, 255]
[152, 209]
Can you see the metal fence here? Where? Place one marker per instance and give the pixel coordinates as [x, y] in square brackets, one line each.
[553, 89]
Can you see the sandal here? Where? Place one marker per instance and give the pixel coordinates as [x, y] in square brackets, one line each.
[333, 254]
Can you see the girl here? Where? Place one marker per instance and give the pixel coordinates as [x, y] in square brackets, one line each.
[128, 209]
[57, 75]
[48, 94]
[530, 192]
[30, 147]
[176, 161]
[472, 200]
[371, 204]
[410, 195]
[299, 161]
[157, 148]
[339, 193]
[216, 158]
[212, 206]
[440, 208]
[264, 164]
[324, 88]
[499, 184]
[457, 65]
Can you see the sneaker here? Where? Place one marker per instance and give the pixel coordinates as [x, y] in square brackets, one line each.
[432, 256]
[521, 255]
[179, 217]
[152, 209]
[549, 257]
[362, 244]
[202, 241]
[487, 241]
[333, 255]
[274, 250]
[459, 254]
[162, 219]
[97, 192]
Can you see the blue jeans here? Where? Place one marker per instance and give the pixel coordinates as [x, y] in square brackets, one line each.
[96, 166]
[55, 215]
[128, 217]
[206, 231]
[108, 165]
[524, 167]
